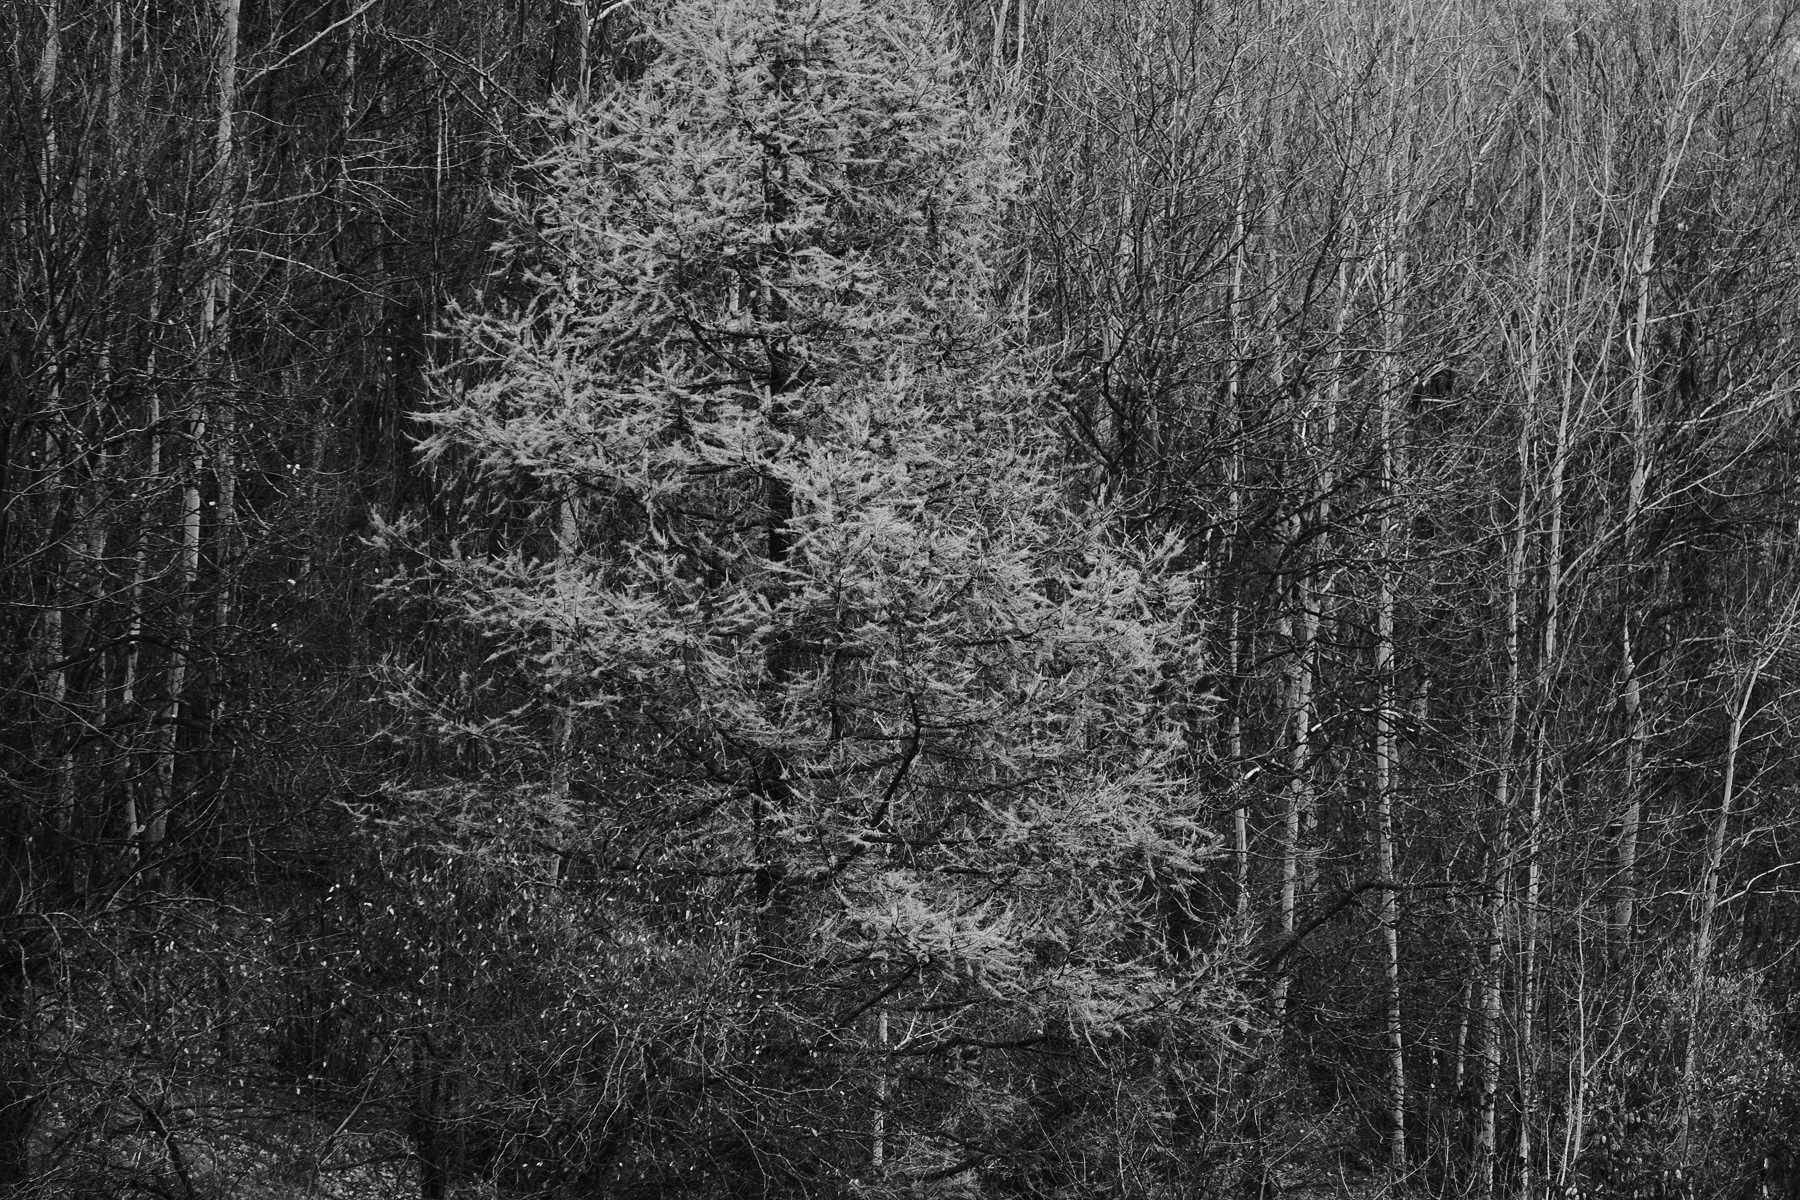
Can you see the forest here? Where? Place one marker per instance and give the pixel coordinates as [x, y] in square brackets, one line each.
[899, 599]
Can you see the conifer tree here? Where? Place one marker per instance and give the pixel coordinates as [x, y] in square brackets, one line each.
[865, 743]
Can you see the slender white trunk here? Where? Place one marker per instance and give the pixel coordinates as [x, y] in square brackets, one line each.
[54, 651]
[1459, 1064]
[1290, 800]
[997, 38]
[1581, 1061]
[583, 71]
[878, 1123]
[1547, 667]
[115, 77]
[1499, 855]
[1234, 750]
[214, 338]
[1399, 205]
[1386, 709]
[1300, 701]
[1742, 702]
[187, 574]
[136, 808]
[49, 59]
[1637, 487]
[218, 318]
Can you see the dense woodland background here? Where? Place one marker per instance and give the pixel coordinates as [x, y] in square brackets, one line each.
[1443, 355]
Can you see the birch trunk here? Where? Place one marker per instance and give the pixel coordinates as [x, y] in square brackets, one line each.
[214, 338]
[1290, 800]
[1549, 649]
[1631, 693]
[49, 60]
[136, 807]
[217, 320]
[1499, 855]
[1707, 894]
[1386, 707]
[1240, 816]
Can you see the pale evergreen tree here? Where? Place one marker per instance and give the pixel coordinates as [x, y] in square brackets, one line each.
[869, 742]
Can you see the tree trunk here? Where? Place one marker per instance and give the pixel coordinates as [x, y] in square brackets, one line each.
[1386, 709]
[1742, 702]
[1548, 666]
[1229, 593]
[1631, 693]
[1499, 859]
[215, 314]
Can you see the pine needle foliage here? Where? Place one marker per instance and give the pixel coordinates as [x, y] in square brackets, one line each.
[816, 678]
